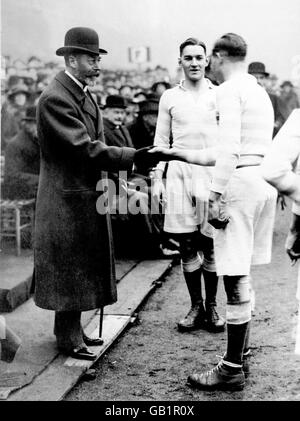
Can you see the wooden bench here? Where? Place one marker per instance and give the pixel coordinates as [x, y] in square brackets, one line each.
[15, 216]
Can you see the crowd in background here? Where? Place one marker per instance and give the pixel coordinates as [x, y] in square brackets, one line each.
[140, 89]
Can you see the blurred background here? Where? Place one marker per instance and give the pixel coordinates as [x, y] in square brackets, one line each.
[270, 27]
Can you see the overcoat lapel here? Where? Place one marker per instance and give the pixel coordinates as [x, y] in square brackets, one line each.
[90, 106]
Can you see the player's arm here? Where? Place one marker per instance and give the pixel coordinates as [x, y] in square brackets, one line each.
[203, 157]
[278, 165]
[229, 106]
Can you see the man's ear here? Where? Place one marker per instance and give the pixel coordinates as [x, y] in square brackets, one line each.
[207, 60]
[72, 61]
[179, 61]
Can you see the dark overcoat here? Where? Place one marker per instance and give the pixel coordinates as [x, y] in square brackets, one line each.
[116, 136]
[74, 262]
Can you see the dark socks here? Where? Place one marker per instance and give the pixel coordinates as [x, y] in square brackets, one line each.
[211, 287]
[247, 340]
[193, 282]
[236, 335]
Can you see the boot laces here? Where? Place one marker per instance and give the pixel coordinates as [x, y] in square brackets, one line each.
[216, 367]
[213, 314]
[195, 307]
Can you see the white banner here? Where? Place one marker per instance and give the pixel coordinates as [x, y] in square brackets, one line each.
[139, 54]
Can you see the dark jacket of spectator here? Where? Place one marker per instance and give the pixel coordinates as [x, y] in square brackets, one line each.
[11, 117]
[12, 113]
[289, 100]
[142, 131]
[21, 167]
[279, 118]
[116, 136]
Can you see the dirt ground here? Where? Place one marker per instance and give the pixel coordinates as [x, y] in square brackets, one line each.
[152, 360]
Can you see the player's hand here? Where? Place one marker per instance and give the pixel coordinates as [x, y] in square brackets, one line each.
[281, 201]
[159, 192]
[143, 157]
[216, 215]
[292, 246]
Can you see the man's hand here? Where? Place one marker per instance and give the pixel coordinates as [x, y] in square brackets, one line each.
[216, 216]
[159, 192]
[292, 246]
[143, 157]
[281, 201]
[292, 243]
[152, 155]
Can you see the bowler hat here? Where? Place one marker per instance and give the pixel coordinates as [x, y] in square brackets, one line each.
[30, 114]
[19, 88]
[115, 101]
[84, 40]
[257, 67]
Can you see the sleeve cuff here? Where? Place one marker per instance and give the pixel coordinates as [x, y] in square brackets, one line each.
[127, 158]
[217, 188]
[296, 208]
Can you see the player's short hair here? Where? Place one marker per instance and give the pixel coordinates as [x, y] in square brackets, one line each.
[234, 45]
[191, 41]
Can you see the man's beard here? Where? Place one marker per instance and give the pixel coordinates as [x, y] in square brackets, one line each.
[90, 80]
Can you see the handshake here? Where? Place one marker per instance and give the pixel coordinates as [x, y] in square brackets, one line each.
[150, 156]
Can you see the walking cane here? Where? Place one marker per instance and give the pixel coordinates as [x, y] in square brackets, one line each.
[101, 321]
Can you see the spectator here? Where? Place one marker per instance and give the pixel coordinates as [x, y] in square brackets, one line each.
[160, 87]
[116, 134]
[110, 89]
[132, 110]
[126, 91]
[22, 161]
[258, 70]
[142, 131]
[139, 96]
[12, 112]
[288, 98]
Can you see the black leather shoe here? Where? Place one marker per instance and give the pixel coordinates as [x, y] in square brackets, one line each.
[214, 322]
[82, 353]
[195, 319]
[91, 341]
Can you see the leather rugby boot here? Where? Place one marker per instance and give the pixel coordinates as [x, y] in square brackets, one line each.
[221, 377]
[195, 319]
[246, 362]
[214, 322]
